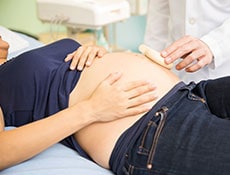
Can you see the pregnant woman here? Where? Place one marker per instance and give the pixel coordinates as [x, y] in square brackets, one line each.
[182, 131]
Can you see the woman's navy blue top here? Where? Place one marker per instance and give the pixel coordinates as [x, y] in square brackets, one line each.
[37, 84]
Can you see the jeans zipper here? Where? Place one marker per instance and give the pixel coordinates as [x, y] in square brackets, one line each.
[162, 114]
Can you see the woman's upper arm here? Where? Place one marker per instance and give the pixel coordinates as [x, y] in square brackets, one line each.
[1, 120]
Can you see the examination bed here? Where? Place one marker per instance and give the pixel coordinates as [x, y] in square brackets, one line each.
[58, 159]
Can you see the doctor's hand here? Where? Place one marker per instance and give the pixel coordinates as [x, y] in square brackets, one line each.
[84, 56]
[112, 100]
[195, 54]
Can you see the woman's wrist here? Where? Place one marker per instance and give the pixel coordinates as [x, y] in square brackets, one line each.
[83, 114]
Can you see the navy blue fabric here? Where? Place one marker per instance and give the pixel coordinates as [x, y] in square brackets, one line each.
[130, 135]
[216, 93]
[37, 84]
[182, 136]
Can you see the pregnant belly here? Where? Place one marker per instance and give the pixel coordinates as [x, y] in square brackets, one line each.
[99, 139]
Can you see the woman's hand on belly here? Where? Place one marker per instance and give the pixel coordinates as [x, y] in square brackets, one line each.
[112, 100]
[84, 56]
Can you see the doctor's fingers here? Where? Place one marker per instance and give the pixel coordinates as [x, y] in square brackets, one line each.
[200, 63]
[195, 60]
[180, 48]
[175, 45]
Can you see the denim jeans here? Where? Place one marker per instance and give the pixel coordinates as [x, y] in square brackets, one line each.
[184, 137]
[216, 93]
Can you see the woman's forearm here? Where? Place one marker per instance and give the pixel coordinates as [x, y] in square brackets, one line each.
[24, 142]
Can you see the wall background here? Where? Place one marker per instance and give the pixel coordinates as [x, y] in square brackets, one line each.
[21, 15]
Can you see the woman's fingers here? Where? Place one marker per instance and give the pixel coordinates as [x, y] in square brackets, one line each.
[114, 99]
[84, 56]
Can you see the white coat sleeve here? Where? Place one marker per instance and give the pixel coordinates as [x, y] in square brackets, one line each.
[218, 41]
[156, 33]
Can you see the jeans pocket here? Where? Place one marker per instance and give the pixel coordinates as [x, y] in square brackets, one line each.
[140, 157]
[144, 146]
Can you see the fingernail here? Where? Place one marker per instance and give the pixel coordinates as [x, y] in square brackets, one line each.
[67, 57]
[168, 60]
[79, 67]
[88, 63]
[163, 53]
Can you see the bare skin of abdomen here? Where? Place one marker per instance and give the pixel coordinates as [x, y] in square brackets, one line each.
[99, 139]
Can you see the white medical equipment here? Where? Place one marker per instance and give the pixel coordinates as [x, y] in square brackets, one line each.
[78, 15]
[89, 14]
[154, 56]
